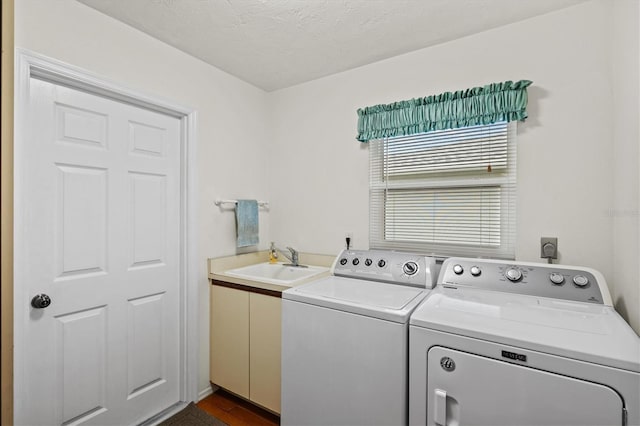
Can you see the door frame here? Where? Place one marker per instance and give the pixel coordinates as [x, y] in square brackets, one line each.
[30, 64]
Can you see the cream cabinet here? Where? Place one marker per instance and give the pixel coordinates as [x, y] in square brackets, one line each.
[265, 319]
[245, 344]
[229, 339]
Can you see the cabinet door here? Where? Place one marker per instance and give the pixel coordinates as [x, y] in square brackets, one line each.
[229, 340]
[265, 337]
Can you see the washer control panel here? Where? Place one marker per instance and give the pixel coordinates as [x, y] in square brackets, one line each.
[387, 266]
[545, 280]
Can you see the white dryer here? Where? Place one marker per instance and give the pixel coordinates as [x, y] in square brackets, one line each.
[514, 343]
[345, 340]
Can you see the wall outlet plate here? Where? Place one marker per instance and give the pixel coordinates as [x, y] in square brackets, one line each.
[549, 247]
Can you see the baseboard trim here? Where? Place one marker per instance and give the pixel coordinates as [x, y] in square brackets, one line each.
[206, 392]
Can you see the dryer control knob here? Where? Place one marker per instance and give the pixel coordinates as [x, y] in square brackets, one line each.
[368, 262]
[382, 263]
[343, 261]
[556, 278]
[513, 275]
[475, 271]
[458, 269]
[580, 280]
[355, 261]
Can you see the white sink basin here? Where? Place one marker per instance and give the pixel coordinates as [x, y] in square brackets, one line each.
[276, 273]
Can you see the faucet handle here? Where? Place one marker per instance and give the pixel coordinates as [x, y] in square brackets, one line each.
[293, 251]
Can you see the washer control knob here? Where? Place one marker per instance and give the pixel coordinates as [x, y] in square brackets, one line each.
[458, 269]
[355, 261]
[556, 278]
[382, 263]
[475, 271]
[513, 275]
[580, 280]
[368, 262]
[343, 261]
[410, 268]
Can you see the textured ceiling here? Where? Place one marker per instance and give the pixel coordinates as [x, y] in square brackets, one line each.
[274, 44]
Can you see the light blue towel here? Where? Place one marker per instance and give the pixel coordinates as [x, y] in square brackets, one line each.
[247, 223]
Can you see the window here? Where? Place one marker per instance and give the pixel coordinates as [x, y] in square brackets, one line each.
[445, 193]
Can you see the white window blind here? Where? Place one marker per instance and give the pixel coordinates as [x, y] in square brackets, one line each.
[445, 193]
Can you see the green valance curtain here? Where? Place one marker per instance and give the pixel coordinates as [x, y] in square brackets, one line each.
[480, 105]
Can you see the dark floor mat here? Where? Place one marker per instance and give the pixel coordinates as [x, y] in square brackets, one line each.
[192, 416]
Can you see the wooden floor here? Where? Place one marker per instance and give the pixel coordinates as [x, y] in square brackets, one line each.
[236, 411]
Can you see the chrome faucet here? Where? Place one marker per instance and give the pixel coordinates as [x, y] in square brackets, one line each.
[292, 257]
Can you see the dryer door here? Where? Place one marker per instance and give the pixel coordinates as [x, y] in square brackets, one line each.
[467, 389]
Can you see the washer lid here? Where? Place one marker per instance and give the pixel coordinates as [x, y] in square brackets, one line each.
[380, 300]
[584, 331]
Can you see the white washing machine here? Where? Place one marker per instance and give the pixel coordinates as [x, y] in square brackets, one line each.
[345, 340]
[514, 343]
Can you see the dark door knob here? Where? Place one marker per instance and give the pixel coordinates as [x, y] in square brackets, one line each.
[40, 301]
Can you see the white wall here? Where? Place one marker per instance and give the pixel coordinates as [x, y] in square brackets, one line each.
[565, 148]
[298, 150]
[626, 134]
[231, 114]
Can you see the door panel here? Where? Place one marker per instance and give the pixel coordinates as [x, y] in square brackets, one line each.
[81, 229]
[145, 333]
[147, 140]
[78, 126]
[101, 196]
[82, 347]
[148, 222]
[467, 389]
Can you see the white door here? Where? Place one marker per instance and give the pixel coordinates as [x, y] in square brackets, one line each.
[100, 192]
